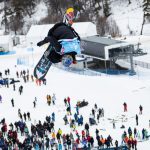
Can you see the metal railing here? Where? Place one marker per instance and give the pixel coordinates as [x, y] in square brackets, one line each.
[111, 148]
[140, 63]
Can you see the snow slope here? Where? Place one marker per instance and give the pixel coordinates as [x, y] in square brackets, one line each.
[109, 92]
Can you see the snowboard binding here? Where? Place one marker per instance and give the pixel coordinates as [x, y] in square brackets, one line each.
[67, 60]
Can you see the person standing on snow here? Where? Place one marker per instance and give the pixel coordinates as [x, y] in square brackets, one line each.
[64, 40]
[34, 103]
[140, 109]
[125, 106]
[137, 118]
[12, 102]
[53, 116]
[20, 89]
[53, 99]
[28, 115]
[25, 116]
[0, 99]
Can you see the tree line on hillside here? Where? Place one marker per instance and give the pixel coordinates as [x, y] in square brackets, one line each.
[97, 11]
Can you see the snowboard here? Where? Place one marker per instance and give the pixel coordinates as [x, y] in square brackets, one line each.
[42, 66]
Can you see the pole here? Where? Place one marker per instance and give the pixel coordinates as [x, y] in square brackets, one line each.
[137, 71]
[105, 66]
[32, 55]
[131, 60]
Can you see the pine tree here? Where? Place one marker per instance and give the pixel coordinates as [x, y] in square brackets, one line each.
[146, 12]
[14, 13]
[7, 13]
[146, 8]
[106, 8]
[29, 6]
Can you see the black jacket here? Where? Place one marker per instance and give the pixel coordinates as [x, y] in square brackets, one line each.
[58, 32]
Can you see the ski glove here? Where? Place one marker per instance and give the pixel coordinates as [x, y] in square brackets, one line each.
[40, 43]
[46, 40]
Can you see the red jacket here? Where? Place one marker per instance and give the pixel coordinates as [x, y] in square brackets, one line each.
[77, 141]
[83, 133]
[88, 138]
[68, 99]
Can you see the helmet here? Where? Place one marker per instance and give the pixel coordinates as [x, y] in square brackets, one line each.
[69, 16]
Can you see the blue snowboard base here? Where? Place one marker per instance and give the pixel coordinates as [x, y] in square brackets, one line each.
[42, 66]
[44, 63]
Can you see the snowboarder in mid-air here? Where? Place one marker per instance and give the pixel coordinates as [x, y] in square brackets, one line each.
[64, 45]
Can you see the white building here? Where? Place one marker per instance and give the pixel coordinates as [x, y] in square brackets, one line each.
[5, 43]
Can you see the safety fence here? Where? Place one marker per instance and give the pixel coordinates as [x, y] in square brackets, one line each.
[140, 63]
[111, 148]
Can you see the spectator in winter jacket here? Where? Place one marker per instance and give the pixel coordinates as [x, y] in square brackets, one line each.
[68, 100]
[80, 121]
[68, 110]
[0, 74]
[0, 99]
[87, 127]
[65, 120]
[4, 129]
[98, 117]
[77, 109]
[92, 141]
[60, 146]
[58, 137]
[60, 132]
[11, 126]
[20, 89]
[116, 145]
[109, 138]
[130, 131]
[65, 101]
[12, 102]
[140, 110]
[136, 118]
[53, 99]
[68, 142]
[75, 117]
[125, 106]
[47, 143]
[48, 99]
[28, 115]
[143, 133]
[93, 112]
[53, 116]
[135, 143]
[25, 116]
[34, 104]
[135, 132]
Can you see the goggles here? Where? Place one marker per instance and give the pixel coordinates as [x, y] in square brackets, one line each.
[70, 16]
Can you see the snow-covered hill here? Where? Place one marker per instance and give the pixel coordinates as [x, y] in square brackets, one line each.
[128, 17]
[109, 92]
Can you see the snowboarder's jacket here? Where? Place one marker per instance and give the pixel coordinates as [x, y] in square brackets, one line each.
[58, 32]
[61, 37]
[61, 31]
